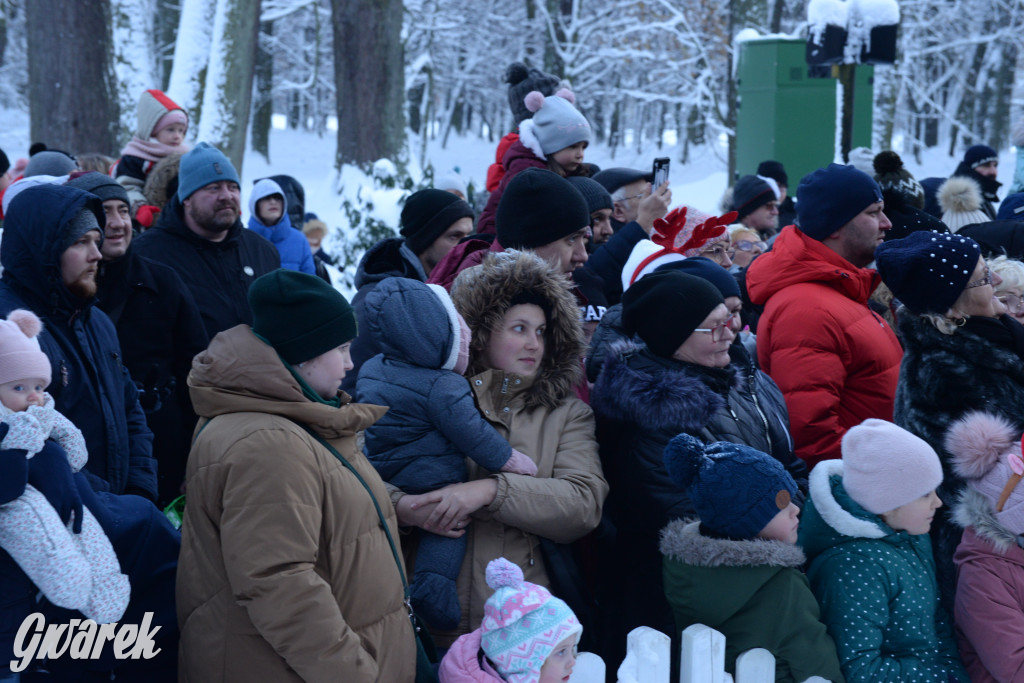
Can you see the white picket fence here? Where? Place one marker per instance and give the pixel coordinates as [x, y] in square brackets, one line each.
[648, 660]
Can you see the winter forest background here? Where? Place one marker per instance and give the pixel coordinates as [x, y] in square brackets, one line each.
[332, 86]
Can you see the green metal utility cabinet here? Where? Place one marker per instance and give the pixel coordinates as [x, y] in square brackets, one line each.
[784, 114]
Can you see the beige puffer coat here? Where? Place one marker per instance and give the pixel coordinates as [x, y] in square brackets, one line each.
[285, 572]
[539, 417]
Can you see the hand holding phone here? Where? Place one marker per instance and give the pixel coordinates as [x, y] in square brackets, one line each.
[659, 172]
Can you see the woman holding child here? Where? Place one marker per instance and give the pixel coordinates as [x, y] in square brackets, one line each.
[524, 362]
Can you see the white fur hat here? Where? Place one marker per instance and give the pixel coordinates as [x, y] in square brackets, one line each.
[960, 199]
[885, 466]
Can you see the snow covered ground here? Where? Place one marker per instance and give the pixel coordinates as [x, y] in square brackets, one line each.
[310, 159]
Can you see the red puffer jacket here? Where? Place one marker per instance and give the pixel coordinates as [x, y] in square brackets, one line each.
[836, 361]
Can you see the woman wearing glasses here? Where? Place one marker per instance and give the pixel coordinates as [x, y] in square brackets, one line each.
[962, 353]
[1011, 290]
[683, 379]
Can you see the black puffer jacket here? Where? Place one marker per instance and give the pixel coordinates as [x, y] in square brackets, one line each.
[217, 273]
[641, 401]
[943, 377]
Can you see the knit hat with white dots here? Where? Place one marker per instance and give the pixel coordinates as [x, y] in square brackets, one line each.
[927, 271]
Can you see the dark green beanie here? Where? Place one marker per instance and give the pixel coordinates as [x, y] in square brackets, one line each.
[300, 315]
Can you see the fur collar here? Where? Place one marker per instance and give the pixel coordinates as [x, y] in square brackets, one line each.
[637, 388]
[681, 540]
[975, 510]
[970, 349]
[834, 514]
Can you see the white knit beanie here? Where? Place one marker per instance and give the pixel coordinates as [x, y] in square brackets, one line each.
[885, 466]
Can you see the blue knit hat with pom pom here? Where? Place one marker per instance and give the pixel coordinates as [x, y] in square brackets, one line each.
[736, 490]
[522, 623]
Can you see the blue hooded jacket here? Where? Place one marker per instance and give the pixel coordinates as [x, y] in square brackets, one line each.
[433, 423]
[90, 385]
[291, 243]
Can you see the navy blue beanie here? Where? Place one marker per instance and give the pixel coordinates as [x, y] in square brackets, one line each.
[979, 155]
[1012, 208]
[831, 197]
[736, 490]
[706, 269]
[927, 270]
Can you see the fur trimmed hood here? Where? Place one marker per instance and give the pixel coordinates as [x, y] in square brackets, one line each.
[681, 540]
[831, 517]
[974, 509]
[654, 393]
[482, 294]
[162, 181]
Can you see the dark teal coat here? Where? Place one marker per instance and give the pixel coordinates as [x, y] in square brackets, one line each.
[877, 589]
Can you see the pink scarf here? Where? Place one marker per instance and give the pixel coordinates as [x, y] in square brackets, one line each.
[151, 150]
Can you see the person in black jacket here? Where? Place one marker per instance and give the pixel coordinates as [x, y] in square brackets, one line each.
[50, 254]
[200, 236]
[160, 330]
[688, 376]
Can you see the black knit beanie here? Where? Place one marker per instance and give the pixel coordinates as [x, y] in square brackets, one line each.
[5, 163]
[81, 223]
[427, 214]
[665, 307]
[300, 315]
[593, 192]
[750, 194]
[774, 170]
[99, 184]
[538, 208]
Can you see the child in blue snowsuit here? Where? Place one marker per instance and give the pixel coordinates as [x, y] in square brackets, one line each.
[432, 425]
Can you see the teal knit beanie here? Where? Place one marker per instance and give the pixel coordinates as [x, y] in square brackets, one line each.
[300, 315]
[205, 164]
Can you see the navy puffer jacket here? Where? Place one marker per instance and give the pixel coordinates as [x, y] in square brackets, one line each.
[432, 424]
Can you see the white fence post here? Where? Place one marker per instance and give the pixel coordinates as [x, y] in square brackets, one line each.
[702, 656]
[648, 657]
[589, 669]
[755, 666]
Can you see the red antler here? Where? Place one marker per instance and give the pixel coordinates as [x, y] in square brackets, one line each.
[667, 229]
[712, 227]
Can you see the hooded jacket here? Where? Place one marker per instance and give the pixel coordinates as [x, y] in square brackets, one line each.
[433, 424]
[642, 401]
[539, 417]
[390, 257]
[465, 662]
[989, 593]
[217, 273]
[286, 572]
[90, 385]
[753, 592]
[291, 243]
[877, 589]
[835, 360]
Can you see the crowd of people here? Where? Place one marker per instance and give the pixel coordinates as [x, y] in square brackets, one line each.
[534, 427]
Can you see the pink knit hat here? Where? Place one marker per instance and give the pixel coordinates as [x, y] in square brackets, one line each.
[987, 454]
[522, 623]
[20, 355]
[885, 466]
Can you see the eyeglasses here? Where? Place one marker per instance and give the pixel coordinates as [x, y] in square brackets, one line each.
[718, 331]
[1013, 303]
[632, 196]
[987, 280]
[747, 245]
[716, 253]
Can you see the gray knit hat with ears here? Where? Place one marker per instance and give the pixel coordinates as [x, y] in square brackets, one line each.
[521, 81]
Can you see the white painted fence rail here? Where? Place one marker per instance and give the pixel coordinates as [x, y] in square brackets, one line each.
[702, 660]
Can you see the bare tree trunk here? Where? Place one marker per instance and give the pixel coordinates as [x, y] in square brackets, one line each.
[264, 99]
[370, 79]
[186, 83]
[229, 77]
[72, 96]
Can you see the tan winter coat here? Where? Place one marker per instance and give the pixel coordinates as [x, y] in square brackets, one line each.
[285, 573]
[540, 418]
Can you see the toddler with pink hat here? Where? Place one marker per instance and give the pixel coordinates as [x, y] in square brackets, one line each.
[527, 635]
[74, 566]
[989, 604]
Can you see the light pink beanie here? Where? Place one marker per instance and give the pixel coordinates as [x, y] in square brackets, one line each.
[987, 454]
[885, 466]
[20, 355]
